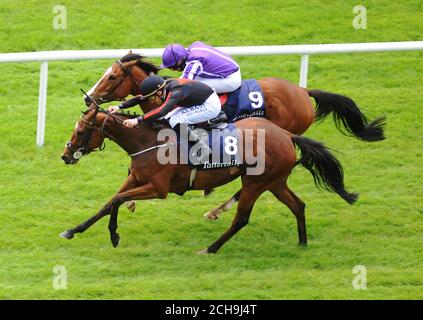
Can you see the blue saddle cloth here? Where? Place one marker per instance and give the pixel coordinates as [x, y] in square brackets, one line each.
[223, 144]
[245, 102]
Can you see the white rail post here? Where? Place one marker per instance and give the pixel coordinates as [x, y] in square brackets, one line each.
[304, 71]
[42, 101]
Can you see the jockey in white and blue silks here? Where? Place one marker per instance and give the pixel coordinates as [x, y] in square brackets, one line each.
[203, 63]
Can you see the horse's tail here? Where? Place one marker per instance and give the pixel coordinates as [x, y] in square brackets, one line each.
[326, 169]
[347, 116]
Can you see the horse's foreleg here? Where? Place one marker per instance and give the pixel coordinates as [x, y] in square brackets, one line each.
[215, 213]
[69, 234]
[145, 192]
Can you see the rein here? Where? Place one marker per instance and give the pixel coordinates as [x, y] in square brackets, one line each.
[101, 130]
[150, 149]
[80, 151]
[101, 109]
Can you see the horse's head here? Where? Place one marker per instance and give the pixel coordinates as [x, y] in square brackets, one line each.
[121, 79]
[86, 137]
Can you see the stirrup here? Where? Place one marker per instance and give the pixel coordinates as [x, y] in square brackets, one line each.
[221, 117]
[219, 122]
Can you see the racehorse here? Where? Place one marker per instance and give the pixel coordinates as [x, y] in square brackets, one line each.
[287, 105]
[150, 179]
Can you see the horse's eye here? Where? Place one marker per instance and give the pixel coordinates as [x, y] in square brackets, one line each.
[112, 77]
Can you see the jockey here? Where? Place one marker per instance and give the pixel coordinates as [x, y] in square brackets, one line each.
[205, 64]
[184, 103]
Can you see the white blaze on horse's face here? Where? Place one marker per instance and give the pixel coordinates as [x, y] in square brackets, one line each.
[106, 74]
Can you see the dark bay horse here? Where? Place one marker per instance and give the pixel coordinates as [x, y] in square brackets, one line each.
[287, 105]
[149, 179]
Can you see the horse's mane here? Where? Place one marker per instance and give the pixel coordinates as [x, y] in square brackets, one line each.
[147, 66]
[123, 114]
[127, 115]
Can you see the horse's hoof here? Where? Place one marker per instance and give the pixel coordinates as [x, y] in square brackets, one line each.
[131, 206]
[211, 216]
[115, 240]
[207, 192]
[204, 252]
[302, 245]
[66, 234]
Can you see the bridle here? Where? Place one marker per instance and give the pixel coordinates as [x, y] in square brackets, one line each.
[127, 72]
[78, 151]
[82, 149]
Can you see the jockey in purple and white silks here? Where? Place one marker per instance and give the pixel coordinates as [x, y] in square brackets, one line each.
[204, 63]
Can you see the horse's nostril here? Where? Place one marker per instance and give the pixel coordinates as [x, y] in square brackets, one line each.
[65, 158]
[87, 101]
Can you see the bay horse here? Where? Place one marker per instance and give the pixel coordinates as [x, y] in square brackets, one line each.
[149, 179]
[287, 105]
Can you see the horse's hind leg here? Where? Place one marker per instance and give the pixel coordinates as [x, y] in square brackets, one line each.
[130, 204]
[296, 205]
[215, 213]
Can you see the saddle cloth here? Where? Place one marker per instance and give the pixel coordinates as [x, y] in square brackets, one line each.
[245, 102]
[223, 144]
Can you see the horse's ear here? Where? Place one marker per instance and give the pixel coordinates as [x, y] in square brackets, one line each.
[130, 51]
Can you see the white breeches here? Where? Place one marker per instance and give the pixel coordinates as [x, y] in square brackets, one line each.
[196, 114]
[228, 84]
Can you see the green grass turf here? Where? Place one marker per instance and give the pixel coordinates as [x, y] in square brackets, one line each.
[41, 197]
